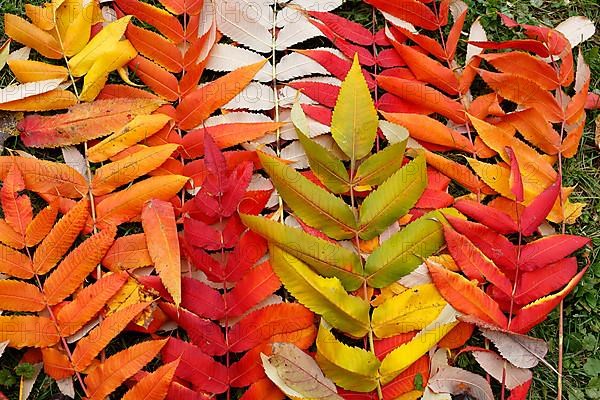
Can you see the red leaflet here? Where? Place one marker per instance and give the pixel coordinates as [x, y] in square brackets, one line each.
[405, 382]
[202, 261]
[262, 324]
[202, 332]
[263, 389]
[434, 199]
[350, 30]
[515, 181]
[199, 234]
[349, 49]
[236, 188]
[454, 35]
[389, 58]
[323, 93]
[318, 113]
[249, 368]
[428, 44]
[489, 216]
[424, 96]
[535, 213]
[534, 313]
[394, 104]
[549, 249]
[465, 296]
[249, 250]
[166, 23]
[195, 366]
[497, 247]
[337, 66]
[520, 392]
[473, 263]
[201, 299]
[411, 11]
[521, 44]
[543, 281]
[191, 7]
[254, 287]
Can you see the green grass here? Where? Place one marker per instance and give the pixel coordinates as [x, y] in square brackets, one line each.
[582, 323]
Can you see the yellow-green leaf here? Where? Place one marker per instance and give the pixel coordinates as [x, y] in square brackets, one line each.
[326, 258]
[314, 205]
[324, 296]
[393, 198]
[349, 367]
[411, 310]
[381, 165]
[354, 121]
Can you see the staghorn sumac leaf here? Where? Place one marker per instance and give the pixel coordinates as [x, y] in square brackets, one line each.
[408, 311]
[354, 121]
[545, 280]
[16, 207]
[327, 259]
[110, 374]
[403, 251]
[28, 331]
[465, 296]
[535, 213]
[315, 206]
[376, 169]
[345, 28]
[392, 199]
[155, 385]
[56, 363]
[324, 296]
[473, 263]
[428, 70]
[199, 104]
[20, 296]
[524, 65]
[83, 122]
[489, 216]
[201, 370]
[515, 181]
[161, 81]
[264, 323]
[160, 228]
[166, 23]
[88, 302]
[297, 374]
[127, 252]
[535, 129]
[156, 48]
[349, 367]
[412, 11]
[31, 36]
[15, 263]
[41, 224]
[60, 238]
[126, 204]
[77, 265]
[549, 249]
[256, 285]
[99, 337]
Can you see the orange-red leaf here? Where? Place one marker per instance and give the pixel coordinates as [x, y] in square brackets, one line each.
[199, 104]
[524, 92]
[457, 172]
[60, 238]
[83, 122]
[10, 237]
[534, 313]
[465, 296]
[154, 386]
[41, 224]
[254, 287]
[88, 302]
[28, 331]
[128, 252]
[99, 337]
[77, 265]
[525, 65]
[14, 263]
[127, 204]
[20, 296]
[534, 127]
[419, 93]
[473, 263]
[46, 177]
[56, 363]
[156, 48]
[109, 375]
[157, 78]
[427, 69]
[166, 23]
[411, 11]
[118, 173]
[16, 207]
[158, 221]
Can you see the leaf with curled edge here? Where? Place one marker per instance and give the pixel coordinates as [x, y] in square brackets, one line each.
[297, 374]
[83, 122]
[458, 381]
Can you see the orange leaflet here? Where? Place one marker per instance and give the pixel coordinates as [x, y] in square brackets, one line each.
[465, 296]
[28, 331]
[534, 127]
[457, 172]
[156, 77]
[20, 296]
[32, 36]
[56, 363]
[202, 102]
[14, 263]
[166, 23]
[16, 207]
[41, 224]
[156, 48]
[524, 65]
[127, 252]
[158, 221]
[153, 386]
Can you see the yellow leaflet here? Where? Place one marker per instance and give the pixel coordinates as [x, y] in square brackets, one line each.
[79, 31]
[412, 395]
[34, 71]
[41, 16]
[410, 311]
[100, 44]
[141, 127]
[132, 293]
[66, 12]
[446, 261]
[404, 356]
[351, 368]
[94, 81]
